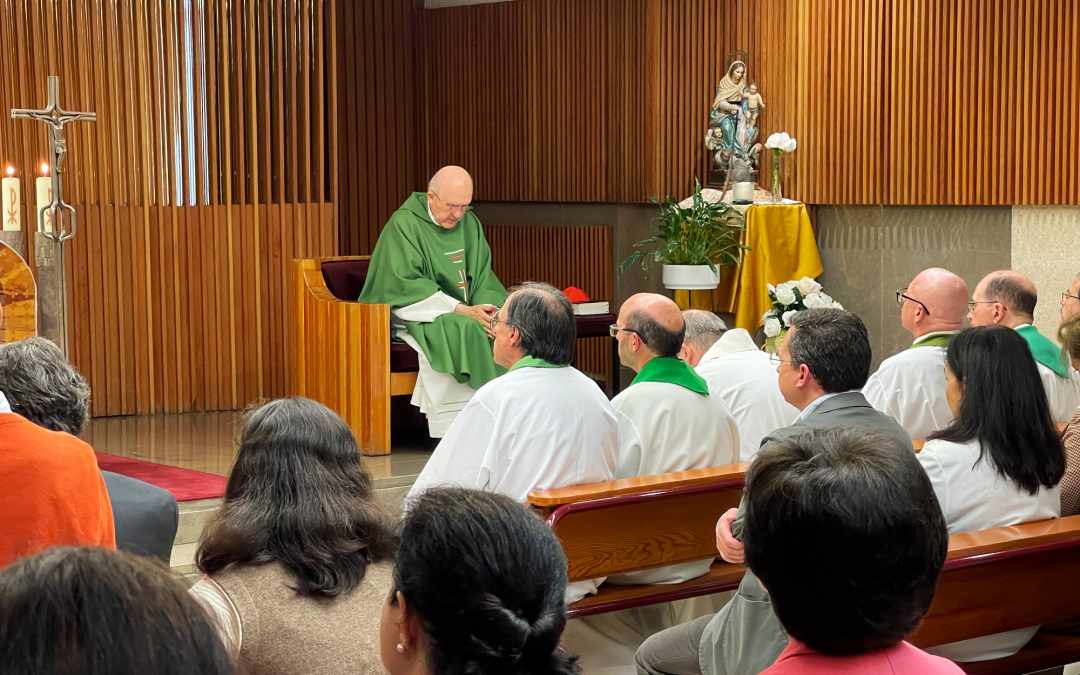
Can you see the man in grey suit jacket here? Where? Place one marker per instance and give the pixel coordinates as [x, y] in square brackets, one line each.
[822, 364]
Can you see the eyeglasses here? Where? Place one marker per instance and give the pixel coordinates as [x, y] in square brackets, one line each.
[901, 297]
[613, 330]
[971, 305]
[776, 360]
[1065, 297]
[452, 207]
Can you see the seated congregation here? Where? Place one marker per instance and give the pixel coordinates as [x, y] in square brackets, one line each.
[843, 527]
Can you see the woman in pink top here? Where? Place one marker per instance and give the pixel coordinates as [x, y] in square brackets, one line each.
[844, 530]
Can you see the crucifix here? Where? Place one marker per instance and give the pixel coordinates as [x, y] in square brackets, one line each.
[53, 238]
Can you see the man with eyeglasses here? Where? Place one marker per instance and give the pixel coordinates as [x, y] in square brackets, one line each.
[432, 265]
[668, 421]
[1070, 300]
[910, 386]
[1008, 298]
[822, 364]
[543, 425]
[740, 373]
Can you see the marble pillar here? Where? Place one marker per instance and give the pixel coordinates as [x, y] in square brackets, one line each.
[1046, 248]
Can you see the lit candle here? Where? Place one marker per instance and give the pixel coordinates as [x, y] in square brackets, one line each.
[11, 201]
[44, 196]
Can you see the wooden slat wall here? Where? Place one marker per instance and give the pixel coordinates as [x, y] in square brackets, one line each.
[211, 165]
[379, 109]
[562, 257]
[892, 101]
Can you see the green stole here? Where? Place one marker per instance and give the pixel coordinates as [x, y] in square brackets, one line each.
[1044, 351]
[939, 340]
[672, 371]
[533, 362]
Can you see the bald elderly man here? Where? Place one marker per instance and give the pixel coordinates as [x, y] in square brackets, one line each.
[1008, 298]
[432, 265]
[910, 386]
[668, 421]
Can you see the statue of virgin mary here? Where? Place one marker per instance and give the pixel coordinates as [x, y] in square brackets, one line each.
[729, 110]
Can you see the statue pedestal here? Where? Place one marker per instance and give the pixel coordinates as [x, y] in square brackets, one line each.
[50, 290]
[16, 240]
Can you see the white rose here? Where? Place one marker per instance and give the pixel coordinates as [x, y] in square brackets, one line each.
[807, 286]
[777, 141]
[836, 305]
[785, 296]
[789, 146]
[788, 316]
[814, 301]
[772, 327]
[826, 300]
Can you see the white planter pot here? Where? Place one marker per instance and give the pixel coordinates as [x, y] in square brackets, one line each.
[691, 277]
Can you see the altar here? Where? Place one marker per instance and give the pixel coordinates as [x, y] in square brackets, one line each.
[783, 247]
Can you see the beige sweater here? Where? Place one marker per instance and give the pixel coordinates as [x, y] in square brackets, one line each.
[270, 630]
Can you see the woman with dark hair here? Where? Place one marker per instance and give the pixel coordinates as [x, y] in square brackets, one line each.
[94, 611]
[297, 559]
[478, 590]
[1001, 460]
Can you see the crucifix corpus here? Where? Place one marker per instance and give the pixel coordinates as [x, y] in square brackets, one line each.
[49, 243]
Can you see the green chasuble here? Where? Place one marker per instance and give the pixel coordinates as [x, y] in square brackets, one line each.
[1045, 351]
[414, 259]
[941, 339]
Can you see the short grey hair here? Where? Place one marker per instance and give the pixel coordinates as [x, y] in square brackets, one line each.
[42, 386]
[545, 318]
[703, 328]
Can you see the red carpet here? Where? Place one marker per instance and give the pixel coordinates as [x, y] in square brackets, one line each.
[185, 484]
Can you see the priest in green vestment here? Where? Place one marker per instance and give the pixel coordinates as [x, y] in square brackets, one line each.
[1008, 298]
[432, 265]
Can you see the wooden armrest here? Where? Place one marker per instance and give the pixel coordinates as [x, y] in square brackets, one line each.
[612, 488]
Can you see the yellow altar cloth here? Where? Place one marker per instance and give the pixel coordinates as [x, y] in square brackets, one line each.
[784, 248]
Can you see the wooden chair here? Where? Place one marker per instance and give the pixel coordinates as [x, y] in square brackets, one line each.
[344, 357]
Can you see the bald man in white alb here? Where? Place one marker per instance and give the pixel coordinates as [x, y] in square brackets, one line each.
[910, 386]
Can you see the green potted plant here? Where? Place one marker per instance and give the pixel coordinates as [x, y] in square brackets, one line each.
[692, 241]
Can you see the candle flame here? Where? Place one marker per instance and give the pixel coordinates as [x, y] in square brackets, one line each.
[10, 170]
[44, 168]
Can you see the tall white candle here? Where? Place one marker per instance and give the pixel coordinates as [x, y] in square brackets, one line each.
[44, 196]
[11, 202]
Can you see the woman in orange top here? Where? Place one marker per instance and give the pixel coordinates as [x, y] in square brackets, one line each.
[51, 491]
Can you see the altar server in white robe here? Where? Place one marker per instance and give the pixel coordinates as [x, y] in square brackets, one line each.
[1008, 298]
[739, 373]
[910, 386]
[542, 425]
[668, 421]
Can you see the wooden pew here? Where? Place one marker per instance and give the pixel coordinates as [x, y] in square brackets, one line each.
[641, 523]
[993, 580]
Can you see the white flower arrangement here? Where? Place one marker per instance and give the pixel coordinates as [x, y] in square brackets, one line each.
[782, 142]
[789, 299]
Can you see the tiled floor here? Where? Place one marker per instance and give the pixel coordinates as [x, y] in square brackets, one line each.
[208, 442]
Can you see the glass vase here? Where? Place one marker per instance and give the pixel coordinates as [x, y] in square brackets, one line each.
[777, 192]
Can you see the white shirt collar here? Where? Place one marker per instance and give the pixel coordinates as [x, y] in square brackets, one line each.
[934, 334]
[1023, 325]
[5, 407]
[731, 342]
[818, 401]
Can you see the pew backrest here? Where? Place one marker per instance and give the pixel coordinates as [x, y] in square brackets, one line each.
[1005, 579]
[617, 531]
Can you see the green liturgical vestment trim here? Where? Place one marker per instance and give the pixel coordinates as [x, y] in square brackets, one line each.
[939, 340]
[416, 258]
[533, 362]
[1044, 351]
[672, 371]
